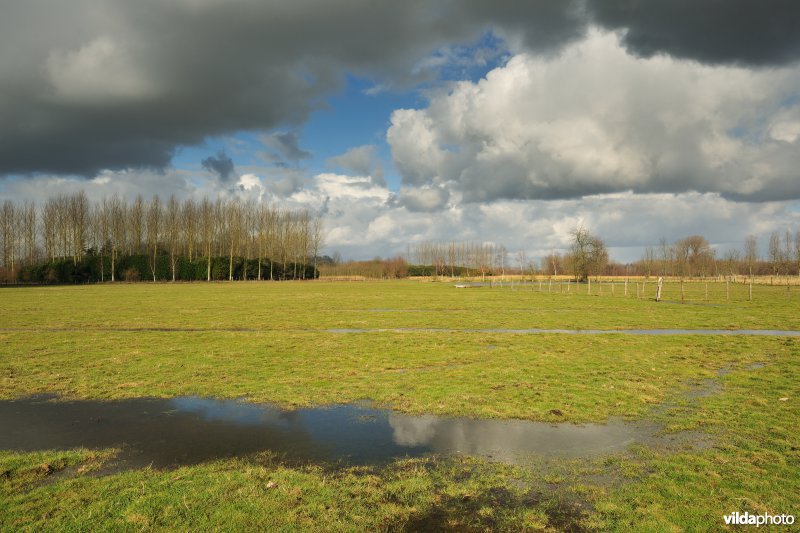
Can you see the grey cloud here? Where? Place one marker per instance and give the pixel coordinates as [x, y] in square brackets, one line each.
[362, 161]
[543, 25]
[285, 148]
[424, 199]
[221, 165]
[715, 31]
[127, 184]
[286, 184]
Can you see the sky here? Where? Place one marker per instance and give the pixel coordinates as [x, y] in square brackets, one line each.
[401, 122]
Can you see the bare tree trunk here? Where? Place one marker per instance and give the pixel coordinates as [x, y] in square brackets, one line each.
[154, 229]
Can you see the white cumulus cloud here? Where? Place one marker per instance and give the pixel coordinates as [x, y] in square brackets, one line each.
[595, 119]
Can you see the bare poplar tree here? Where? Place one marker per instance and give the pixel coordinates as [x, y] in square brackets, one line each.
[136, 227]
[303, 241]
[649, 261]
[154, 231]
[118, 222]
[666, 256]
[317, 236]
[29, 230]
[78, 221]
[8, 234]
[788, 254]
[775, 252]
[261, 227]
[62, 226]
[732, 258]
[750, 253]
[172, 230]
[797, 251]
[207, 232]
[189, 223]
[521, 263]
[102, 232]
[49, 218]
[247, 222]
[233, 228]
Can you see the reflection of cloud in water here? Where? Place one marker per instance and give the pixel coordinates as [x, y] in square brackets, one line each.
[413, 430]
[233, 411]
[512, 439]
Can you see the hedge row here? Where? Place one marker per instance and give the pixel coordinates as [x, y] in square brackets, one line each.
[95, 268]
[430, 270]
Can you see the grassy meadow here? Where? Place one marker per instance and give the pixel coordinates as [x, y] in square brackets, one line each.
[273, 342]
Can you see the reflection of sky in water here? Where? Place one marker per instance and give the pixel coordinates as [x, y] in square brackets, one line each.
[233, 411]
[343, 430]
[512, 439]
[191, 429]
[350, 430]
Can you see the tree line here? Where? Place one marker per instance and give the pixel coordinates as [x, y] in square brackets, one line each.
[587, 255]
[694, 257]
[69, 238]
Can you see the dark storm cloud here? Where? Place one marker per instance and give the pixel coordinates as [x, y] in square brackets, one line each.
[749, 32]
[91, 85]
[222, 166]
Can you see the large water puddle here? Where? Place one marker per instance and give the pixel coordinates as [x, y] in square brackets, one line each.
[191, 430]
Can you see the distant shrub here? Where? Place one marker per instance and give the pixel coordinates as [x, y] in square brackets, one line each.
[131, 274]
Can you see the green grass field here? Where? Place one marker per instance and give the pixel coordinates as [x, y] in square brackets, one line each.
[270, 342]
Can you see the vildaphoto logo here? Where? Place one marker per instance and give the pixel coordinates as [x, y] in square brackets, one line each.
[747, 519]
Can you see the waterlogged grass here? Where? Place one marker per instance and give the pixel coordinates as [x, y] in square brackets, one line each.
[740, 453]
[753, 465]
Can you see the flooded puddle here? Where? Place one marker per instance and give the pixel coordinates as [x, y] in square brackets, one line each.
[191, 430]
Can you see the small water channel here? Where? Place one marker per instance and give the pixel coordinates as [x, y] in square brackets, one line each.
[530, 331]
[191, 430]
[519, 331]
